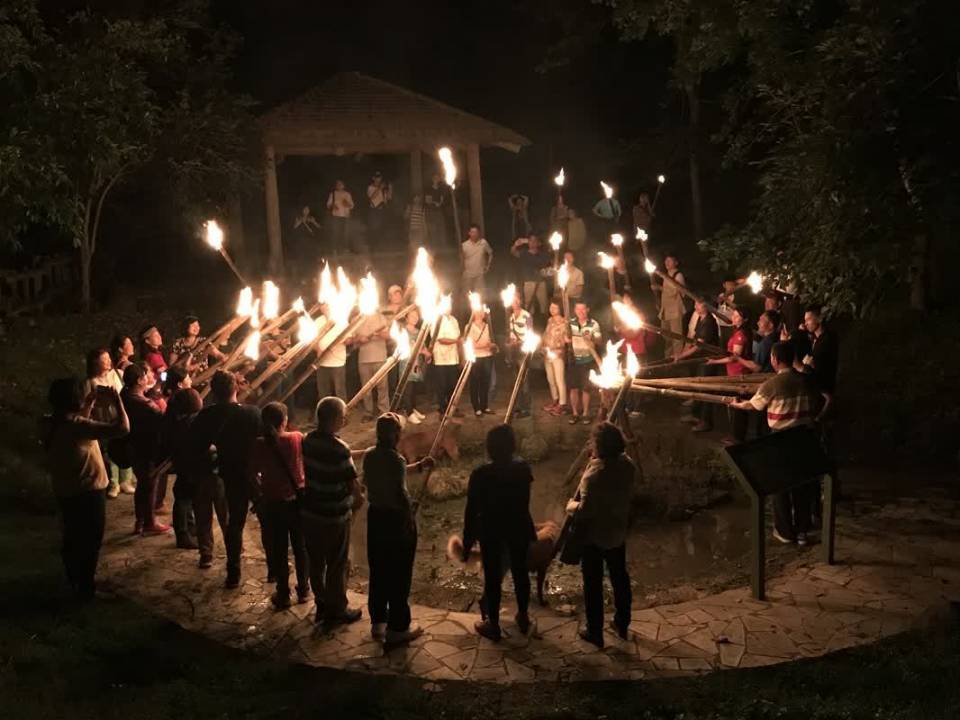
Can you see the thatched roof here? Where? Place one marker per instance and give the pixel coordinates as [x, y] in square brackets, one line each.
[352, 112]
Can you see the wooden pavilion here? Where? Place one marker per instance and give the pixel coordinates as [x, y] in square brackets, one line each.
[355, 113]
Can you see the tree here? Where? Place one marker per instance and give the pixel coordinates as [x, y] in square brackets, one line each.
[98, 101]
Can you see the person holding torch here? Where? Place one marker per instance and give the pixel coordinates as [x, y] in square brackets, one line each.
[584, 336]
[479, 333]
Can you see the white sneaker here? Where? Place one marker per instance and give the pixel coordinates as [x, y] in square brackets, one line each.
[379, 631]
[420, 415]
[412, 418]
[402, 638]
[781, 538]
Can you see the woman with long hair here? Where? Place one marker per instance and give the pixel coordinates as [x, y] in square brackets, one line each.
[479, 332]
[555, 341]
[79, 475]
[121, 352]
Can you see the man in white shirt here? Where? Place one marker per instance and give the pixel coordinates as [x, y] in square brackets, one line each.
[519, 323]
[475, 256]
[331, 372]
[446, 359]
[379, 194]
[370, 339]
[340, 206]
[575, 279]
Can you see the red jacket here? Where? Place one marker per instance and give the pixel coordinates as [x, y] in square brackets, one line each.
[275, 480]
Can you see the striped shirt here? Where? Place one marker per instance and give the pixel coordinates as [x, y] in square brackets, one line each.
[580, 334]
[330, 477]
[519, 322]
[788, 398]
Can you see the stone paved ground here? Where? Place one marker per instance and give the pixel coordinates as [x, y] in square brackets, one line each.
[896, 563]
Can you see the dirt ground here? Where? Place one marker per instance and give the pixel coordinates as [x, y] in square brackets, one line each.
[689, 535]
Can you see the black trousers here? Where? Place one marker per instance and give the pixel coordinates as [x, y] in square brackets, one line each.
[391, 549]
[591, 564]
[84, 517]
[280, 522]
[480, 383]
[184, 520]
[446, 378]
[793, 510]
[408, 401]
[238, 504]
[497, 553]
[704, 411]
[739, 422]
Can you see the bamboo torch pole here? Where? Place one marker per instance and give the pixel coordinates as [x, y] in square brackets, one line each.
[288, 358]
[408, 368]
[638, 386]
[531, 341]
[374, 380]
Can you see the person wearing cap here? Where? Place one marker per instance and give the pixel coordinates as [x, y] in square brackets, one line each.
[391, 533]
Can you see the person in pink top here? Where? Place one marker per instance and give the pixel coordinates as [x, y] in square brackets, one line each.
[738, 346]
[277, 478]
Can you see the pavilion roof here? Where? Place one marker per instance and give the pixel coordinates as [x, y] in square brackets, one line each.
[352, 112]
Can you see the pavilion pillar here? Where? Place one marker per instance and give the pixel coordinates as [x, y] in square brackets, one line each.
[272, 199]
[416, 173]
[476, 190]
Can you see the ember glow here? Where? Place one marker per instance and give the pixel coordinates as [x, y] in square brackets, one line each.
[755, 281]
[617, 240]
[213, 234]
[449, 168]
[555, 241]
[649, 266]
[560, 179]
[642, 235]
[627, 315]
[271, 300]
[606, 261]
[369, 301]
[468, 353]
[563, 276]
[609, 376]
[508, 294]
[402, 341]
[531, 341]
[245, 303]
[607, 190]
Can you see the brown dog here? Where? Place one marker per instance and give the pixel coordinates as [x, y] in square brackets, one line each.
[415, 446]
[539, 555]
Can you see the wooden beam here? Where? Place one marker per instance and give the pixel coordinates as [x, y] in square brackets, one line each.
[272, 200]
[416, 173]
[476, 189]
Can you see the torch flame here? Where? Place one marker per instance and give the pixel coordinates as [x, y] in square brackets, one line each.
[245, 303]
[343, 300]
[649, 266]
[255, 314]
[628, 316]
[642, 235]
[307, 329]
[617, 240]
[508, 295]
[661, 179]
[607, 190]
[369, 301]
[563, 276]
[633, 364]
[252, 347]
[445, 305]
[476, 303]
[606, 261]
[449, 168]
[297, 305]
[468, 354]
[531, 341]
[327, 292]
[755, 281]
[560, 179]
[555, 241]
[428, 290]
[609, 376]
[402, 340]
[271, 300]
[213, 234]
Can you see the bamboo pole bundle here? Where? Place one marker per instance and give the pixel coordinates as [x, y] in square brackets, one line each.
[684, 394]
[521, 375]
[374, 380]
[682, 384]
[408, 368]
[291, 356]
[691, 294]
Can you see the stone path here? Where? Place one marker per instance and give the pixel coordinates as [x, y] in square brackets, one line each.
[896, 563]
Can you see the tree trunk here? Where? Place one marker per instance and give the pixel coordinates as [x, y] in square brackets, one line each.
[86, 260]
[693, 132]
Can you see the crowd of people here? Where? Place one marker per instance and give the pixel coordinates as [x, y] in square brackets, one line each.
[137, 419]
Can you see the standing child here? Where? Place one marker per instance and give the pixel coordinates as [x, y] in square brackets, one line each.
[391, 534]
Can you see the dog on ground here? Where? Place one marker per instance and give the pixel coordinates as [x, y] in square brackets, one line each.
[415, 446]
[540, 554]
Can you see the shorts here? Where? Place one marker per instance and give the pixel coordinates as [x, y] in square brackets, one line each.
[578, 376]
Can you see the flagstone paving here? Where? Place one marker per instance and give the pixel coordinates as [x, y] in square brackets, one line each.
[896, 566]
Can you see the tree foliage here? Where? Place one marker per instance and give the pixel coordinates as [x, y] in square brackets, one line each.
[93, 101]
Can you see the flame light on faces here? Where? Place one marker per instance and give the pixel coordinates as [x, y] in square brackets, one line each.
[606, 261]
[271, 300]
[560, 179]
[213, 234]
[508, 295]
[245, 303]
[755, 281]
[607, 190]
[449, 167]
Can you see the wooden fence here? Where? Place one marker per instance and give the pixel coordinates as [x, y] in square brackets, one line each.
[29, 291]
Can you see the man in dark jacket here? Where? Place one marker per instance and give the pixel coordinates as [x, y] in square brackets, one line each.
[498, 516]
[331, 495]
[224, 433]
